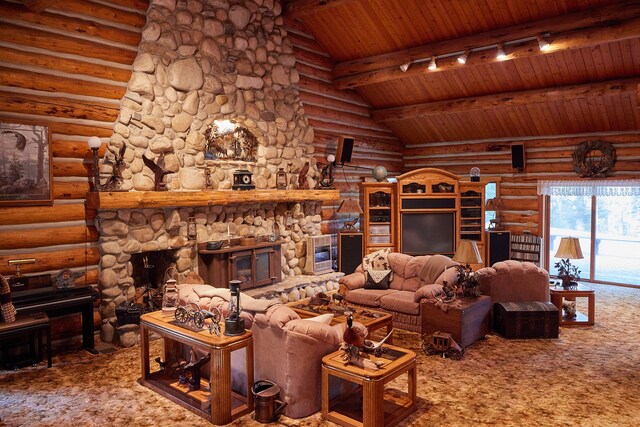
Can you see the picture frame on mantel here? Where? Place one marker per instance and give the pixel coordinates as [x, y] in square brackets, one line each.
[25, 164]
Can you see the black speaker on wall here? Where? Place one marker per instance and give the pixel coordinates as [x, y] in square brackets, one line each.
[345, 148]
[517, 157]
[498, 246]
[350, 247]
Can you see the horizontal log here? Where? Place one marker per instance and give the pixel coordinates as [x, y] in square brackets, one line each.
[329, 138]
[310, 98]
[66, 65]
[156, 199]
[71, 25]
[519, 217]
[80, 130]
[42, 214]
[39, 237]
[58, 107]
[506, 99]
[521, 229]
[103, 12]
[298, 9]
[52, 260]
[323, 88]
[62, 168]
[63, 190]
[74, 149]
[344, 129]
[309, 71]
[58, 43]
[357, 121]
[141, 5]
[308, 44]
[519, 204]
[559, 24]
[49, 83]
[315, 59]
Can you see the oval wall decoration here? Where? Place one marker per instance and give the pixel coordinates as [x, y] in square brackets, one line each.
[592, 159]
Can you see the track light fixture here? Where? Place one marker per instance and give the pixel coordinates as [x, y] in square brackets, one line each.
[404, 67]
[544, 44]
[432, 63]
[501, 54]
[462, 59]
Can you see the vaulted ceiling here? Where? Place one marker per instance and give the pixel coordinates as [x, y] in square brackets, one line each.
[586, 81]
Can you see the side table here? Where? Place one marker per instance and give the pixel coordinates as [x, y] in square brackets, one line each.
[215, 400]
[558, 294]
[466, 323]
[33, 325]
[370, 405]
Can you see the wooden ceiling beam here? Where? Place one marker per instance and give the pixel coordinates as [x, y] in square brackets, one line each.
[386, 66]
[300, 8]
[615, 31]
[507, 99]
[39, 5]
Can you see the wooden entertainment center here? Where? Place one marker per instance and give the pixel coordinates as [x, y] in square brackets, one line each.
[427, 211]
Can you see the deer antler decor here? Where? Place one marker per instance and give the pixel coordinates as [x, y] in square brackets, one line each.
[592, 159]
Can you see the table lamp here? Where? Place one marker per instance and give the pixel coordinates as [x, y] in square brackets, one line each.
[95, 143]
[350, 206]
[467, 253]
[569, 249]
[234, 324]
[494, 205]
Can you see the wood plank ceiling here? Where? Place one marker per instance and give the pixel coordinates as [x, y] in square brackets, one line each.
[587, 81]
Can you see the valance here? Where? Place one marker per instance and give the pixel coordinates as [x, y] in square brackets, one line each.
[630, 187]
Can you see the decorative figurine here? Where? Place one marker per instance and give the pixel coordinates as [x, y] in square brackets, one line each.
[191, 371]
[242, 180]
[67, 278]
[303, 184]
[158, 172]
[115, 180]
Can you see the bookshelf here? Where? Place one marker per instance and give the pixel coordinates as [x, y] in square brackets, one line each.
[526, 247]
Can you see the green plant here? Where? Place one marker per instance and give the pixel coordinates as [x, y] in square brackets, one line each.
[566, 271]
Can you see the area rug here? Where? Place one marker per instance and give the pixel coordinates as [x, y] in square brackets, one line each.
[587, 377]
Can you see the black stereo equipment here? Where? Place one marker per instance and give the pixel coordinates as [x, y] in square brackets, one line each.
[517, 157]
[345, 148]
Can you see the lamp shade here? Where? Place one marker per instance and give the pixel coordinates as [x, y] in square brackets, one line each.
[569, 248]
[493, 204]
[94, 142]
[467, 253]
[349, 206]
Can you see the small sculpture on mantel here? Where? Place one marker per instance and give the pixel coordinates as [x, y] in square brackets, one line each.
[303, 184]
[158, 172]
[115, 180]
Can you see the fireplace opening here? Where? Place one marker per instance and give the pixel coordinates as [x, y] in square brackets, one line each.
[150, 272]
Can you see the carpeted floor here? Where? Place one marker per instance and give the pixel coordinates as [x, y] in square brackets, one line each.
[587, 377]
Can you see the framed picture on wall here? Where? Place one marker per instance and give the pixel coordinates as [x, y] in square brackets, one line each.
[25, 164]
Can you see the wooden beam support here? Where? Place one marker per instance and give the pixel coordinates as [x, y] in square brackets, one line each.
[567, 32]
[39, 5]
[614, 87]
[300, 8]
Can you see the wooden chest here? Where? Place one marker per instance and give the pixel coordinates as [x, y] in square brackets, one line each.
[467, 323]
[526, 319]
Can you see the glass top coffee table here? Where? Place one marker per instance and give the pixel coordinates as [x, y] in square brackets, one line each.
[372, 319]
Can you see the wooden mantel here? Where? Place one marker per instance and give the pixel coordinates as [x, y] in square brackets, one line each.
[163, 199]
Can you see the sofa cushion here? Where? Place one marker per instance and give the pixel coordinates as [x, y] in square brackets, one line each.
[368, 297]
[322, 318]
[434, 267]
[381, 283]
[427, 291]
[401, 301]
[450, 275]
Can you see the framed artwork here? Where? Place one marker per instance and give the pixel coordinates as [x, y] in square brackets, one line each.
[25, 164]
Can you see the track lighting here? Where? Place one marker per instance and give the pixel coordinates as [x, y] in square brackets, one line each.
[544, 45]
[432, 64]
[404, 67]
[501, 55]
[462, 59]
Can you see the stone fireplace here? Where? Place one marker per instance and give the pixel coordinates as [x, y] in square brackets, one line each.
[200, 62]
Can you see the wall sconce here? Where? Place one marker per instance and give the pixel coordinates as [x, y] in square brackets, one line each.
[95, 143]
[233, 324]
[404, 67]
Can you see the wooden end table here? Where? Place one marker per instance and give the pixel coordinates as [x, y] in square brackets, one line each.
[378, 406]
[215, 400]
[372, 319]
[467, 322]
[558, 294]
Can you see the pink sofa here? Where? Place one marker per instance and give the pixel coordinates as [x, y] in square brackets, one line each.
[514, 281]
[415, 278]
[288, 350]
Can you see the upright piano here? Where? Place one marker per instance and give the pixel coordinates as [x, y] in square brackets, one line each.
[60, 302]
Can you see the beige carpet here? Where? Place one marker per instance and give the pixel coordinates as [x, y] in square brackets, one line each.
[587, 377]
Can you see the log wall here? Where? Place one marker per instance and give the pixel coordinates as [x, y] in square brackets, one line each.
[547, 158]
[334, 113]
[66, 67]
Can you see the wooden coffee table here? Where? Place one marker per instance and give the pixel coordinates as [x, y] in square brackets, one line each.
[372, 319]
[558, 294]
[215, 400]
[371, 404]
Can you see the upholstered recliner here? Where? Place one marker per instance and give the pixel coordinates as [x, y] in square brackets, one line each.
[514, 281]
[415, 278]
[288, 350]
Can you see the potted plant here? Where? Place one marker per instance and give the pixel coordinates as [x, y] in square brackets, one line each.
[567, 272]
[468, 282]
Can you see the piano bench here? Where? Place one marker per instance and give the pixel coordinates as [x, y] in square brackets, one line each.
[33, 325]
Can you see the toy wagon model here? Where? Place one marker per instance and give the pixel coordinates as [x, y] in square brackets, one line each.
[442, 343]
[192, 313]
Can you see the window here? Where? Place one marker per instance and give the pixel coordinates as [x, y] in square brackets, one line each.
[490, 192]
[605, 216]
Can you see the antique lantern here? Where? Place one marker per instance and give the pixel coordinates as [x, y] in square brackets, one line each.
[170, 297]
[234, 324]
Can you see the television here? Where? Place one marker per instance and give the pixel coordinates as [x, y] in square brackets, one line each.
[428, 233]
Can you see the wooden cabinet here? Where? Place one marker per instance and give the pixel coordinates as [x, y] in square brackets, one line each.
[378, 203]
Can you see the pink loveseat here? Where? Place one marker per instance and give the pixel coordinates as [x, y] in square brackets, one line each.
[514, 281]
[287, 350]
[415, 278]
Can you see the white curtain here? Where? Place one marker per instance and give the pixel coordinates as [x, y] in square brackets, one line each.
[629, 187]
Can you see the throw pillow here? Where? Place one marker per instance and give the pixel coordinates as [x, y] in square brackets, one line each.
[323, 318]
[378, 279]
